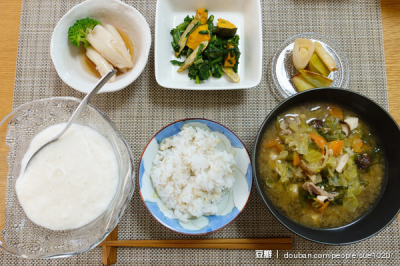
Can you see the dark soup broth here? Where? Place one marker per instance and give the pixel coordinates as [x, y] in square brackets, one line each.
[321, 165]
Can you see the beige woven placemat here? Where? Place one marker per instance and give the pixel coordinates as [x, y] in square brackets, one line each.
[140, 110]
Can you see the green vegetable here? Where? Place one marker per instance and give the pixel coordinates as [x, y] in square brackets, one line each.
[294, 127]
[210, 22]
[210, 62]
[185, 23]
[282, 171]
[77, 32]
[178, 31]
[195, 26]
[216, 60]
[355, 188]
[335, 130]
[313, 156]
[177, 63]
[351, 172]
[350, 202]
[283, 155]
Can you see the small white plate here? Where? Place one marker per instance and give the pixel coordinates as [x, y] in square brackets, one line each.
[245, 14]
[67, 58]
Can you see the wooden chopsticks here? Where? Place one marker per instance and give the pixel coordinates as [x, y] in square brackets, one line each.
[212, 243]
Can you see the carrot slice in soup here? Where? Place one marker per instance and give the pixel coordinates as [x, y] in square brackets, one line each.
[270, 143]
[296, 159]
[279, 147]
[356, 145]
[323, 206]
[336, 112]
[336, 146]
[321, 142]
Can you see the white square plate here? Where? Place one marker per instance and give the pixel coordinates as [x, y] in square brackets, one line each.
[245, 14]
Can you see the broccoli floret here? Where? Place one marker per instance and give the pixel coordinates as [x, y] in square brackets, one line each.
[77, 32]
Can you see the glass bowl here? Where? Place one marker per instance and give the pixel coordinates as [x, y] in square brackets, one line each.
[20, 236]
[282, 68]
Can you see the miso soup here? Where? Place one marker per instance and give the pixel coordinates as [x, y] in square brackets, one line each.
[321, 165]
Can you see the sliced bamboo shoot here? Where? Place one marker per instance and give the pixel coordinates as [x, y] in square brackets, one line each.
[190, 60]
[232, 74]
[325, 57]
[302, 51]
[301, 83]
[316, 79]
[316, 65]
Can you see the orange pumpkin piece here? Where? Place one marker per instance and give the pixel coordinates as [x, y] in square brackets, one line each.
[225, 29]
[202, 14]
[230, 61]
[195, 38]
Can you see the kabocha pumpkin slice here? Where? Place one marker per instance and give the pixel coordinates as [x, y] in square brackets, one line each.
[232, 74]
[199, 35]
[316, 65]
[302, 51]
[225, 29]
[190, 60]
[230, 60]
[202, 15]
[325, 57]
[301, 83]
[316, 79]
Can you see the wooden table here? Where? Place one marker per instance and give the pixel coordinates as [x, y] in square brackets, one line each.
[10, 19]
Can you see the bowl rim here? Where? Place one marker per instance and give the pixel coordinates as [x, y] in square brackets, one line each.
[129, 78]
[260, 188]
[140, 191]
[130, 180]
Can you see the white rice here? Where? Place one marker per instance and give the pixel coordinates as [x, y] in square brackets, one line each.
[190, 174]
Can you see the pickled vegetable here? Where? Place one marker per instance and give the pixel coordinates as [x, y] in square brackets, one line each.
[325, 57]
[316, 65]
[302, 51]
[301, 83]
[315, 79]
